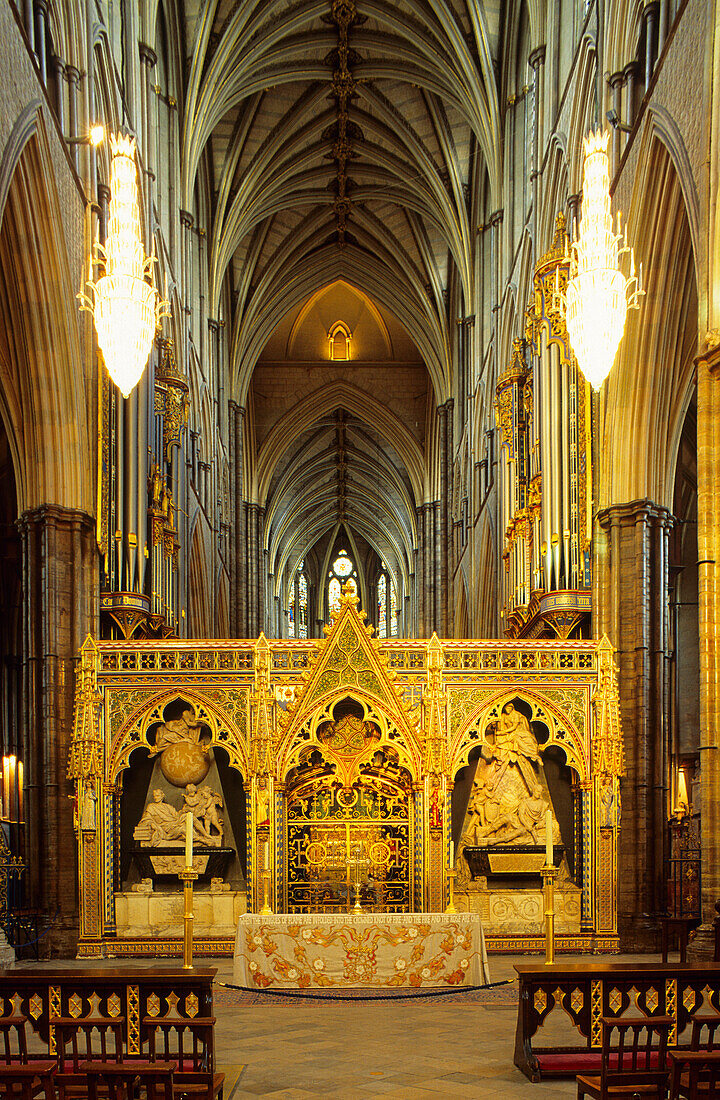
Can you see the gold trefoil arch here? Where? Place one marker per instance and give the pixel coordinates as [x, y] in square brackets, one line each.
[133, 733]
[294, 746]
[563, 733]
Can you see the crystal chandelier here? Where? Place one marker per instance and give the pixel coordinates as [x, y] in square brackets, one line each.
[598, 293]
[125, 305]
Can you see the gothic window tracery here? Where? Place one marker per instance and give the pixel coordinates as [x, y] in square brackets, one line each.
[298, 604]
[342, 572]
[340, 337]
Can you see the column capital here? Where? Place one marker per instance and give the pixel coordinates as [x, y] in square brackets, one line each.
[628, 513]
[537, 57]
[186, 219]
[711, 355]
[147, 54]
[72, 74]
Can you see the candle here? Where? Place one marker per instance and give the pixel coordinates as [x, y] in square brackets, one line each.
[452, 853]
[188, 839]
[21, 782]
[548, 839]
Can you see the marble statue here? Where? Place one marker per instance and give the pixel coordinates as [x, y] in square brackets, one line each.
[184, 757]
[202, 804]
[160, 823]
[177, 730]
[508, 803]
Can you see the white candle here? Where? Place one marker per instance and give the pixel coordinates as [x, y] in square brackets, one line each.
[188, 839]
[548, 839]
[452, 853]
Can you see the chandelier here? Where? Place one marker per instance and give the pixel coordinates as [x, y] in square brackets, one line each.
[125, 305]
[598, 294]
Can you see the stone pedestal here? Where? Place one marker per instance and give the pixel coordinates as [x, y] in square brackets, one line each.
[157, 914]
[521, 912]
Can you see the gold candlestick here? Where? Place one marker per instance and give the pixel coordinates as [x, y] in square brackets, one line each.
[549, 874]
[451, 876]
[188, 877]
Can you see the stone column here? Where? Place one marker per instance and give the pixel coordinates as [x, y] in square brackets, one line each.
[238, 539]
[536, 61]
[708, 477]
[632, 584]
[444, 547]
[60, 593]
[616, 82]
[72, 75]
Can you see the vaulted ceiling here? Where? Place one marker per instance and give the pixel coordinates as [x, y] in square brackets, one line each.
[342, 140]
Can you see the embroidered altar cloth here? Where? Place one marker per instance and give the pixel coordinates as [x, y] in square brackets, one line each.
[394, 950]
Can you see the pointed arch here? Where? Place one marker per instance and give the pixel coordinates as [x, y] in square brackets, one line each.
[42, 385]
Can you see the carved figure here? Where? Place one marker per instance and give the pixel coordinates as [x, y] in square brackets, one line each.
[185, 728]
[160, 823]
[196, 803]
[435, 810]
[213, 802]
[514, 744]
[88, 814]
[262, 804]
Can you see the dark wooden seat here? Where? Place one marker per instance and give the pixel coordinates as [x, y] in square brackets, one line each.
[189, 1042]
[116, 1079]
[94, 1038]
[694, 1074]
[22, 1078]
[633, 1064]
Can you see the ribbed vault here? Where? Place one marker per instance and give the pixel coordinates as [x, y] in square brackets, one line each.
[343, 139]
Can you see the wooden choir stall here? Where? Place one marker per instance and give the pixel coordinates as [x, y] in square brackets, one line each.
[360, 809]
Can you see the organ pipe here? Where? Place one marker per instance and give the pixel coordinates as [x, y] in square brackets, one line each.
[543, 415]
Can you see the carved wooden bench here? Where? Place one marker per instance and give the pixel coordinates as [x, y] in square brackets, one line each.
[587, 992]
[135, 995]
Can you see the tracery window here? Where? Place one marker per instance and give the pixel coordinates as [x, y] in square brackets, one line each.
[298, 605]
[342, 572]
[387, 606]
[382, 606]
[339, 337]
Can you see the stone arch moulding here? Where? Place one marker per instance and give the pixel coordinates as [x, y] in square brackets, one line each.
[565, 712]
[133, 733]
[390, 734]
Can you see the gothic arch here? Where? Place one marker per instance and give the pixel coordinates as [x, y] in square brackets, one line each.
[40, 347]
[562, 719]
[148, 710]
[642, 424]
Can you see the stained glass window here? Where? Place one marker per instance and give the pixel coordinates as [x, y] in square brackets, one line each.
[342, 566]
[382, 606]
[393, 610]
[303, 608]
[342, 572]
[298, 604]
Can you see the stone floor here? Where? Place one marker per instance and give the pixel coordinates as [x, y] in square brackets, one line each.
[397, 1050]
[401, 1049]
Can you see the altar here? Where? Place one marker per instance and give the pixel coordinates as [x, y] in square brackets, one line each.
[379, 950]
